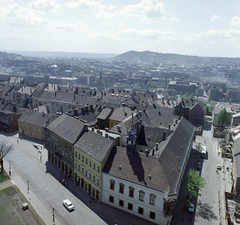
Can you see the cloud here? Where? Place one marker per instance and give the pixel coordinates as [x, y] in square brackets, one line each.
[147, 33]
[146, 8]
[19, 16]
[60, 25]
[174, 20]
[83, 4]
[214, 18]
[148, 11]
[235, 22]
[216, 36]
[44, 5]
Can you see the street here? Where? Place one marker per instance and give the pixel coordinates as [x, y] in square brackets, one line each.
[39, 181]
[210, 205]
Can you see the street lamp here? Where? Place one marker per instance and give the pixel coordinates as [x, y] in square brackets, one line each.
[28, 186]
[9, 167]
[40, 155]
[53, 217]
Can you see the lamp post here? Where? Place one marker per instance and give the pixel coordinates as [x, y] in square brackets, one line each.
[40, 155]
[53, 217]
[10, 168]
[28, 186]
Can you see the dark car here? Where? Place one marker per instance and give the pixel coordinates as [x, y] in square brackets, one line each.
[199, 160]
[199, 166]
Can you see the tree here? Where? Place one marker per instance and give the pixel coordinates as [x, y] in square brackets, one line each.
[199, 147]
[207, 111]
[223, 117]
[195, 183]
[4, 150]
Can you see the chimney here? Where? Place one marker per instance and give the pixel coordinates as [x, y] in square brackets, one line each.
[164, 135]
[146, 152]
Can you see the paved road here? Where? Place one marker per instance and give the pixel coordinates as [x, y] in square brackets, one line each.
[210, 205]
[26, 166]
[46, 192]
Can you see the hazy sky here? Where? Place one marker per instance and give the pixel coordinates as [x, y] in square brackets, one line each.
[189, 27]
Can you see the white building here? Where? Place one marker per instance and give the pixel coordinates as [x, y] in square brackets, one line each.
[147, 184]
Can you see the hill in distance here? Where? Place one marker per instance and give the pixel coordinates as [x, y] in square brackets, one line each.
[148, 57]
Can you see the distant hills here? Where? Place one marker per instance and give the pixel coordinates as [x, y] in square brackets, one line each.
[148, 57]
[46, 54]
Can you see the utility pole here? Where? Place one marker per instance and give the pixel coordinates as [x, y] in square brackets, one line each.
[53, 217]
[28, 186]
[10, 168]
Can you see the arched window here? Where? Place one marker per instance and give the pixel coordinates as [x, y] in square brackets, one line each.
[141, 195]
[121, 188]
[152, 199]
[112, 184]
[131, 191]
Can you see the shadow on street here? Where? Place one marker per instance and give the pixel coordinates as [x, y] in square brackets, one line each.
[205, 211]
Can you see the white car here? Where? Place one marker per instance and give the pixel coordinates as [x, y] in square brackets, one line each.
[68, 204]
[219, 167]
[191, 208]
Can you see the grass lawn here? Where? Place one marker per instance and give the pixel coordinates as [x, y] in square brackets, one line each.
[3, 177]
[8, 212]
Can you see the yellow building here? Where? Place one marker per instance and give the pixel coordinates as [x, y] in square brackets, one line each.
[91, 152]
[32, 123]
[119, 115]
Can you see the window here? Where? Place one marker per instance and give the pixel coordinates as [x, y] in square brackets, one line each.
[112, 183]
[82, 158]
[121, 203]
[86, 173]
[94, 166]
[93, 179]
[89, 175]
[75, 164]
[98, 181]
[152, 199]
[152, 215]
[98, 169]
[131, 191]
[90, 163]
[141, 195]
[76, 154]
[121, 188]
[86, 161]
[111, 199]
[79, 168]
[79, 157]
[130, 206]
[82, 170]
[140, 210]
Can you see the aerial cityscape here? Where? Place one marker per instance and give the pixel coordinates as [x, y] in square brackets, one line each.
[119, 112]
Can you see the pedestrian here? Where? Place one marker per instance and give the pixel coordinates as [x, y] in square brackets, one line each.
[17, 141]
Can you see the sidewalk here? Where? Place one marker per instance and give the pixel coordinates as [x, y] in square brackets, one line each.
[108, 214]
[33, 200]
[46, 216]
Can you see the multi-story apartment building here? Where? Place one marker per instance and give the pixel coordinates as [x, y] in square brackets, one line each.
[60, 137]
[91, 152]
[32, 124]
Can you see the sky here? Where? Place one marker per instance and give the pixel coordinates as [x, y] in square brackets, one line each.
[188, 27]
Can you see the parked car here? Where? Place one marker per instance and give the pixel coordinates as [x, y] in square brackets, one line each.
[199, 166]
[191, 208]
[219, 167]
[199, 160]
[198, 172]
[68, 204]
